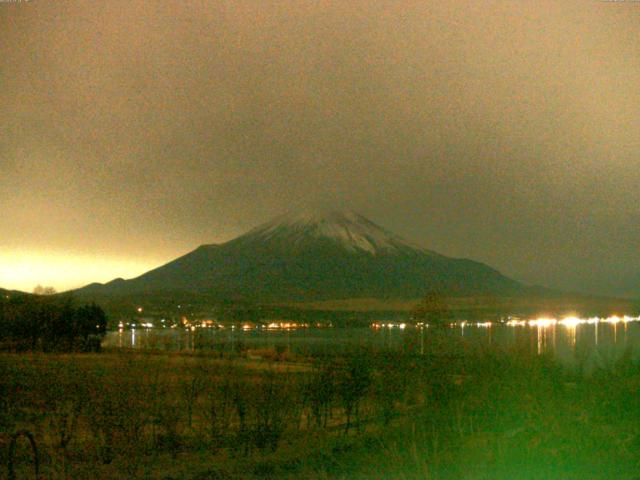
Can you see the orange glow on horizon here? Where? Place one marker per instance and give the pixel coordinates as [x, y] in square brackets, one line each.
[24, 270]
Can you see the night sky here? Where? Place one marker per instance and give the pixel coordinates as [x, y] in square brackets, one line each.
[134, 131]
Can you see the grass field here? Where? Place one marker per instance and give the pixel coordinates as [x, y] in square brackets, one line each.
[479, 414]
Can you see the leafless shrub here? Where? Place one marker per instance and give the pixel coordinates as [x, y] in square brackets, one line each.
[192, 385]
[220, 403]
[117, 410]
[319, 393]
[353, 383]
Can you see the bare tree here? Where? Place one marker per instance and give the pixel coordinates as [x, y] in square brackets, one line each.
[40, 290]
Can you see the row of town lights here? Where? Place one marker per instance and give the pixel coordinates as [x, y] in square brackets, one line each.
[569, 322]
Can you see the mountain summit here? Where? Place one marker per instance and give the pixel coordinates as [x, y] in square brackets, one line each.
[314, 255]
[346, 229]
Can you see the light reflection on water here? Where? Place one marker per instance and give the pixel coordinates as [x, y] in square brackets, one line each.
[587, 342]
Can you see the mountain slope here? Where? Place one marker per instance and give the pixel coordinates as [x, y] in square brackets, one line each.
[313, 256]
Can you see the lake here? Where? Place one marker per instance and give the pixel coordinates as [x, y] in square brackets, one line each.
[573, 341]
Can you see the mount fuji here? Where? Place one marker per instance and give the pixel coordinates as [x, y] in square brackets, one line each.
[314, 255]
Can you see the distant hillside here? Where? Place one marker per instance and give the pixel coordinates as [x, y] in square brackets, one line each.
[313, 256]
[11, 293]
[528, 302]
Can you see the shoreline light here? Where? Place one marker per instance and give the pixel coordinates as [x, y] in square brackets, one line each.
[541, 322]
[571, 322]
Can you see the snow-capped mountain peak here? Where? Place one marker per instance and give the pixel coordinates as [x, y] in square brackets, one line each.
[347, 228]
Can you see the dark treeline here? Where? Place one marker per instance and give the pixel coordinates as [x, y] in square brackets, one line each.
[46, 323]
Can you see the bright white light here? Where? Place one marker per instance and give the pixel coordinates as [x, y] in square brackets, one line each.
[517, 323]
[571, 322]
[542, 322]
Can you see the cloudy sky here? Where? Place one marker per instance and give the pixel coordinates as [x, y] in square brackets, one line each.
[134, 131]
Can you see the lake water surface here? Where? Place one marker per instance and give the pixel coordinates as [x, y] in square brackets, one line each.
[587, 342]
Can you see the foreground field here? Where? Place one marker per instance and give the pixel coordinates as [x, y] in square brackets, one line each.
[475, 415]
